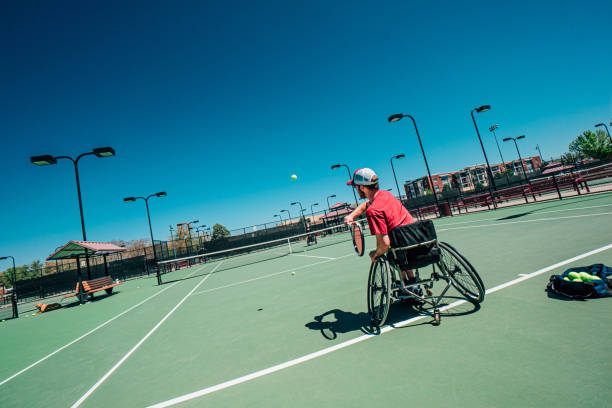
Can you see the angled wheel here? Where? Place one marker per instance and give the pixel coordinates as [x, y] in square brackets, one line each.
[379, 291]
[463, 275]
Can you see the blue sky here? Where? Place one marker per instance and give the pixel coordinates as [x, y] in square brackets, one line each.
[218, 103]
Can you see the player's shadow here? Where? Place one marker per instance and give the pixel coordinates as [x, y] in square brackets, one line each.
[344, 322]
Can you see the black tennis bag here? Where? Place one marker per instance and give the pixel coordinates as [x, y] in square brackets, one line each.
[582, 290]
[412, 234]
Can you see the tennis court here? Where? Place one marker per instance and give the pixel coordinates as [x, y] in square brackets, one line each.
[250, 335]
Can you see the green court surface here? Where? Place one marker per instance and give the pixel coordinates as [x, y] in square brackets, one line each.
[248, 336]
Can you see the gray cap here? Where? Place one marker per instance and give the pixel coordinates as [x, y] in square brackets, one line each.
[363, 177]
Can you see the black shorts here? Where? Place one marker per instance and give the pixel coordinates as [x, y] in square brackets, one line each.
[412, 234]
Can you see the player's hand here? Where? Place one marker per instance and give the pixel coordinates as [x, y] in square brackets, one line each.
[348, 220]
[373, 256]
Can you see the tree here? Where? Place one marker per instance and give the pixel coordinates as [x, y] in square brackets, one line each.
[219, 232]
[570, 158]
[588, 144]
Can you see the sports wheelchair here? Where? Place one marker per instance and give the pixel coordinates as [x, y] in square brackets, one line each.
[416, 246]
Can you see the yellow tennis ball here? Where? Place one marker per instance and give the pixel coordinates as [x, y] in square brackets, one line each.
[293, 177]
[292, 273]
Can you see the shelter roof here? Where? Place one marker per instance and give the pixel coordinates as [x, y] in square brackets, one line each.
[79, 248]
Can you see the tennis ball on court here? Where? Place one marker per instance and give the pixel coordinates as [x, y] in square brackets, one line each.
[573, 275]
[293, 177]
[292, 273]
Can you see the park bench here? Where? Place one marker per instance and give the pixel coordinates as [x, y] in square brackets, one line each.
[94, 285]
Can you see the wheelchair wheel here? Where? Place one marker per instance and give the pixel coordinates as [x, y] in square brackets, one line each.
[462, 273]
[379, 291]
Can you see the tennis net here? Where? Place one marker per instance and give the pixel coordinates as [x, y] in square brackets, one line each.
[255, 253]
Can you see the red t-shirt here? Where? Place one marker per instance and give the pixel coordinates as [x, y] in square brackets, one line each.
[386, 212]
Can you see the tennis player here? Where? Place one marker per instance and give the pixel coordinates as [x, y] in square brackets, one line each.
[383, 211]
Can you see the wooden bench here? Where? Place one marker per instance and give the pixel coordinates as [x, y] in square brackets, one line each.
[91, 286]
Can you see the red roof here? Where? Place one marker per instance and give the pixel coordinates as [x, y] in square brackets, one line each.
[78, 248]
[556, 169]
[339, 205]
[338, 213]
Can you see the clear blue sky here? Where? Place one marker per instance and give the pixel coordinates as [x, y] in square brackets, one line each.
[218, 103]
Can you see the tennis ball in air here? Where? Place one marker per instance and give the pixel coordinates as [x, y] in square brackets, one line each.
[293, 177]
[573, 275]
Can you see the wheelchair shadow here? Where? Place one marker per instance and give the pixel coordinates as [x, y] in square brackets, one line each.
[398, 314]
[345, 322]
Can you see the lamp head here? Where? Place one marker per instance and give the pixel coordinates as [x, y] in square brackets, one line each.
[3, 257]
[520, 137]
[399, 156]
[599, 124]
[294, 203]
[129, 199]
[161, 194]
[43, 160]
[506, 139]
[335, 166]
[104, 151]
[396, 117]
[316, 204]
[483, 108]
[493, 127]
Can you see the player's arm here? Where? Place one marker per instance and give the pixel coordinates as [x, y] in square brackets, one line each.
[382, 245]
[356, 212]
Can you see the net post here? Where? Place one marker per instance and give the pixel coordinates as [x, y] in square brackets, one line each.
[289, 243]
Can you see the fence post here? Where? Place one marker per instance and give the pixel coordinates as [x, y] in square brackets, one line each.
[557, 187]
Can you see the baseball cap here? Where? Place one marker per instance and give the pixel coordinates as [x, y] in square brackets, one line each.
[363, 177]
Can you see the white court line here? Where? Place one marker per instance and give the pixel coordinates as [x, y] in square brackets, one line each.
[129, 353]
[312, 256]
[356, 340]
[533, 213]
[89, 332]
[269, 275]
[524, 221]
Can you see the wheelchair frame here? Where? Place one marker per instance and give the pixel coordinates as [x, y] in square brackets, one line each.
[393, 287]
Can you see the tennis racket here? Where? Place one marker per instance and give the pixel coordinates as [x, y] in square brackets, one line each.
[358, 241]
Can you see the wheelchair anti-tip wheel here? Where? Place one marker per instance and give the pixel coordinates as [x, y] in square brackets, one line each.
[379, 291]
[463, 275]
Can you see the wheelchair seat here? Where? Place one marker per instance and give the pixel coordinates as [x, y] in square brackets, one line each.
[414, 245]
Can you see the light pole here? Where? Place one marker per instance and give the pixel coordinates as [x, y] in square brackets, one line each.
[48, 159]
[481, 109]
[396, 118]
[281, 219]
[540, 152]
[203, 228]
[399, 156]
[288, 215]
[301, 212]
[312, 211]
[514, 139]
[607, 131]
[172, 238]
[492, 130]
[146, 200]
[14, 291]
[336, 166]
